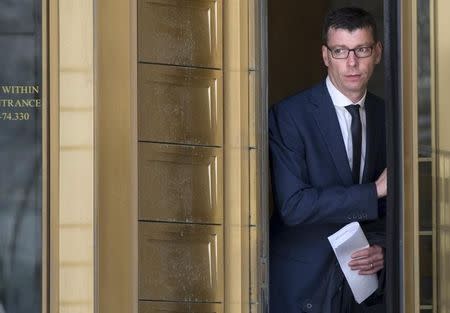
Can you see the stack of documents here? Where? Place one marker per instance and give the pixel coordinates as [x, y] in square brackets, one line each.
[345, 242]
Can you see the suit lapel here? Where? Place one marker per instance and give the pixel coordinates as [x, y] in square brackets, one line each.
[325, 116]
[370, 140]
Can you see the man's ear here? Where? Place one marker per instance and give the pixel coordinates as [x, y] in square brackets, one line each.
[378, 52]
[325, 55]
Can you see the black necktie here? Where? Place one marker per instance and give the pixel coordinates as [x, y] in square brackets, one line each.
[356, 140]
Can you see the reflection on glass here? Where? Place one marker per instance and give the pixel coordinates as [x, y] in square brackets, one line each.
[424, 77]
[426, 270]
[425, 196]
[426, 149]
[20, 156]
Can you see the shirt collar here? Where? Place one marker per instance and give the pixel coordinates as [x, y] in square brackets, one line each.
[339, 99]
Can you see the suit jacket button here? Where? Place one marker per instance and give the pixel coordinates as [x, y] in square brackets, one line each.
[307, 306]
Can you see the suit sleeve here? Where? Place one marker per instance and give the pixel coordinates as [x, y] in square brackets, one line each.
[297, 201]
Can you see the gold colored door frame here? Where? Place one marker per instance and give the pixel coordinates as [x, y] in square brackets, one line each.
[410, 157]
[53, 150]
[70, 146]
[116, 155]
[412, 183]
[47, 67]
[236, 155]
[246, 164]
[442, 78]
[440, 147]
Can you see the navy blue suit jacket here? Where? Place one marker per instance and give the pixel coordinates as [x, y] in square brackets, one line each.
[314, 196]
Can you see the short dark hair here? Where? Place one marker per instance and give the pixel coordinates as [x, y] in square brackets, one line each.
[350, 19]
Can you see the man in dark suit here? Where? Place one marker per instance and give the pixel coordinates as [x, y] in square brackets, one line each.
[328, 167]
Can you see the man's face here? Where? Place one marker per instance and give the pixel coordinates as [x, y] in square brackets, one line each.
[351, 75]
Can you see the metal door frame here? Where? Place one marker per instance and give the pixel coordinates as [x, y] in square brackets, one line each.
[395, 160]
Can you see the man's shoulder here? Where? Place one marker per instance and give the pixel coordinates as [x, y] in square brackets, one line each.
[301, 100]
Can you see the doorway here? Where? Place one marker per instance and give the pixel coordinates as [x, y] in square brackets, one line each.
[294, 42]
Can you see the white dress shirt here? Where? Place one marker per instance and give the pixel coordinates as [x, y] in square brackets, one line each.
[345, 122]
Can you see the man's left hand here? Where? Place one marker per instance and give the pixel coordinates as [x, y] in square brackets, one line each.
[367, 261]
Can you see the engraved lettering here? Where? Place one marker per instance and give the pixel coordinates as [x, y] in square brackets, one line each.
[20, 89]
[20, 103]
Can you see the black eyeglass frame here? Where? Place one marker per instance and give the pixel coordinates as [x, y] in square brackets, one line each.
[354, 51]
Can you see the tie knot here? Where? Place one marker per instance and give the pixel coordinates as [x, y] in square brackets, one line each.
[353, 109]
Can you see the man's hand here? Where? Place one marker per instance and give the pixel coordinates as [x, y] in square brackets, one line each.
[367, 261]
[381, 184]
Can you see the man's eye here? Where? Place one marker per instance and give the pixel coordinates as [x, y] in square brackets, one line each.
[363, 49]
[339, 51]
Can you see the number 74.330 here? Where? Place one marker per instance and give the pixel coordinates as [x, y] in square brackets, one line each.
[14, 116]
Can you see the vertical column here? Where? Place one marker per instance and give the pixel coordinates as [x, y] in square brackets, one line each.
[258, 162]
[116, 155]
[180, 156]
[237, 151]
[442, 77]
[76, 157]
[410, 149]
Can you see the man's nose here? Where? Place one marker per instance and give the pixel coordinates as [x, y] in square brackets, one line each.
[352, 59]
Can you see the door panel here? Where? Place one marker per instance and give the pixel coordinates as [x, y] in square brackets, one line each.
[180, 104]
[180, 262]
[180, 183]
[161, 307]
[181, 32]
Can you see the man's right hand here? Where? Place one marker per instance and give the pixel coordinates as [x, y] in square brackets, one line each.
[381, 184]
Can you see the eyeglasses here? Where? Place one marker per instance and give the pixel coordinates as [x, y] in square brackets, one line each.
[342, 53]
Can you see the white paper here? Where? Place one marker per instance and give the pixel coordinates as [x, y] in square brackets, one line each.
[344, 242]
